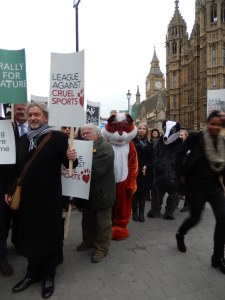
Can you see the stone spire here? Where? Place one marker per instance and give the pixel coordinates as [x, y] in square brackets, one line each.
[155, 69]
[138, 96]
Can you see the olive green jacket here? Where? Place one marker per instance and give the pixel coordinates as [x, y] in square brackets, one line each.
[103, 187]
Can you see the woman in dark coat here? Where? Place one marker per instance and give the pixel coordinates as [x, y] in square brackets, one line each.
[202, 173]
[145, 160]
[39, 219]
[155, 134]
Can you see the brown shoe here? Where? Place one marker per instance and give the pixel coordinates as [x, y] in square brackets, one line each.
[83, 247]
[97, 256]
[5, 268]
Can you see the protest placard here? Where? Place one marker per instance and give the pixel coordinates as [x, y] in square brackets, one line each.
[93, 112]
[66, 99]
[7, 143]
[78, 184]
[34, 98]
[13, 82]
[215, 100]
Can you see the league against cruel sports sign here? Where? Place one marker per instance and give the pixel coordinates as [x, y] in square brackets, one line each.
[66, 99]
[78, 184]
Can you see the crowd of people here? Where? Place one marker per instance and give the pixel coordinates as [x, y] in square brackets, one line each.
[176, 164]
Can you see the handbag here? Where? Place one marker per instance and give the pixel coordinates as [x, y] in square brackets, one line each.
[16, 195]
[18, 184]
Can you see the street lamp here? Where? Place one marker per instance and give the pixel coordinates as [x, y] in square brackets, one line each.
[128, 98]
[75, 5]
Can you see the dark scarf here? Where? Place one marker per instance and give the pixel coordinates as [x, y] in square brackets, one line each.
[34, 134]
[142, 142]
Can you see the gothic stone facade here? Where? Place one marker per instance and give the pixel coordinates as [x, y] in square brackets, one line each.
[194, 64]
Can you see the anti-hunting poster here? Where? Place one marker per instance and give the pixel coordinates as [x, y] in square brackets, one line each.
[78, 184]
[66, 99]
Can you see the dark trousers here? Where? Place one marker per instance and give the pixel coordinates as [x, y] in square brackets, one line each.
[157, 199]
[43, 267]
[5, 219]
[139, 202]
[97, 228]
[215, 196]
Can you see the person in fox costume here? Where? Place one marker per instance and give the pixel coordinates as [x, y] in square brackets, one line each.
[119, 131]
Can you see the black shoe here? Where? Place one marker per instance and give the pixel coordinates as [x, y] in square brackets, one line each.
[180, 242]
[135, 216]
[152, 214]
[185, 208]
[218, 262]
[141, 218]
[168, 217]
[48, 288]
[22, 285]
[5, 268]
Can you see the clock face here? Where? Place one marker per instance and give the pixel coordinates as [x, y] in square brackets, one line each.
[158, 84]
[148, 86]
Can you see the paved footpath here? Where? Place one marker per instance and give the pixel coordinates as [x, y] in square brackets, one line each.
[146, 266]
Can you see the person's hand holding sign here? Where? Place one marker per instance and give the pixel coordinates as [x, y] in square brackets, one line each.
[71, 154]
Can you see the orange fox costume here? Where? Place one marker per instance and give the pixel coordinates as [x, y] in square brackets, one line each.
[119, 131]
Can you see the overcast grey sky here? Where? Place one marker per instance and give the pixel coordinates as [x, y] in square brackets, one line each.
[118, 37]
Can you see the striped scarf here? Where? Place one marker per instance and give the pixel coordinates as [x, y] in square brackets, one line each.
[34, 134]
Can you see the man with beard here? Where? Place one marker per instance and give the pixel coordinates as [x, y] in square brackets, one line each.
[39, 227]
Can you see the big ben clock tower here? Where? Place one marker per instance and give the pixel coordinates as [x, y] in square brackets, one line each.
[155, 80]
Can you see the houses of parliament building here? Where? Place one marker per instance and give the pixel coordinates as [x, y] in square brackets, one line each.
[194, 65]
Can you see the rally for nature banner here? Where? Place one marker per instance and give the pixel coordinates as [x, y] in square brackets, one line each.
[66, 99]
[93, 112]
[13, 82]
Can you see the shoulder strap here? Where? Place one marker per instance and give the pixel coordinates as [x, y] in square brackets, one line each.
[34, 155]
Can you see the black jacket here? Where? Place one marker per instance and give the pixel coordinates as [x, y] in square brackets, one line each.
[192, 162]
[39, 227]
[145, 158]
[165, 164]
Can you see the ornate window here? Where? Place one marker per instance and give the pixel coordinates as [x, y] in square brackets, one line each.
[213, 12]
[174, 101]
[174, 47]
[223, 53]
[213, 57]
[223, 11]
[174, 80]
[223, 81]
[213, 86]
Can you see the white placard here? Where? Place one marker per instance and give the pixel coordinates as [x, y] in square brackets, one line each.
[66, 98]
[7, 143]
[93, 112]
[78, 185]
[215, 100]
[34, 98]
